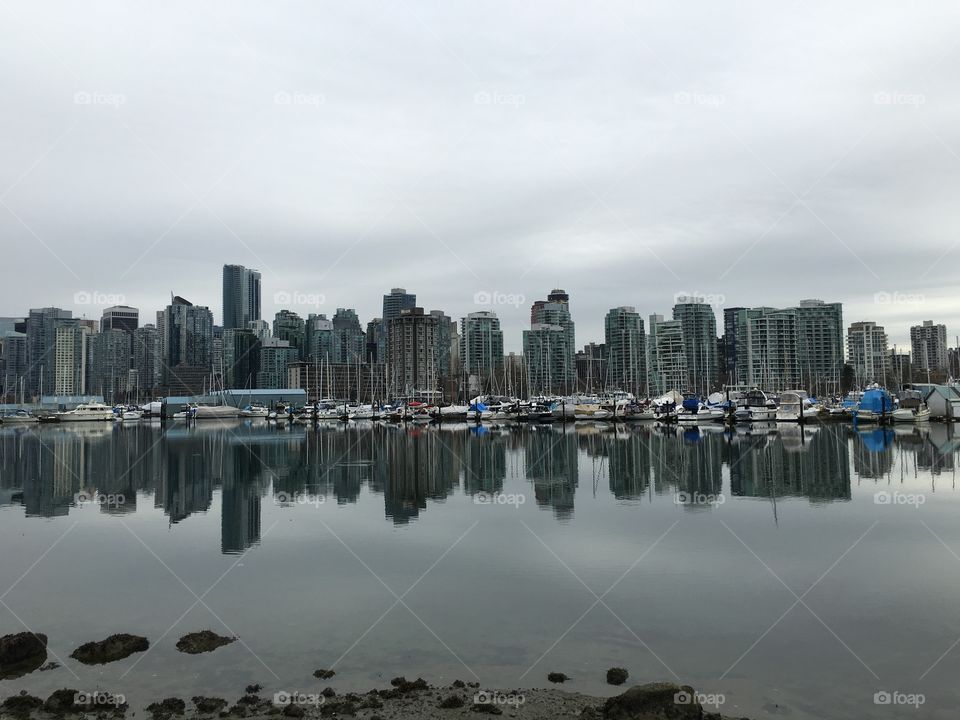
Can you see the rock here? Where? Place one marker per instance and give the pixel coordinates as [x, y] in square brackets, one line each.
[487, 708]
[61, 701]
[450, 702]
[208, 705]
[617, 676]
[405, 686]
[294, 711]
[654, 701]
[50, 666]
[323, 674]
[167, 708]
[201, 642]
[20, 706]
[115, 647]
[21, 653]
[556, 677]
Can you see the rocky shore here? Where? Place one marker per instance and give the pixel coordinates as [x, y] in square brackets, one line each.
[25, 652]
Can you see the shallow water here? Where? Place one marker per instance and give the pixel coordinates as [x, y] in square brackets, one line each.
[759, 565]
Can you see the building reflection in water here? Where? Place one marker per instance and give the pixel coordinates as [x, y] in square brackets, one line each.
[48, 470]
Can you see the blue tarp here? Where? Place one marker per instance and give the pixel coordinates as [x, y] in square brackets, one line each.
[877, 400]
[691, 404]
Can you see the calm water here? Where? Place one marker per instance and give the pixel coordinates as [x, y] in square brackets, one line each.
[498, 543]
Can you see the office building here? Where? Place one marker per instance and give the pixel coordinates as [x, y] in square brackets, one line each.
[241, 296]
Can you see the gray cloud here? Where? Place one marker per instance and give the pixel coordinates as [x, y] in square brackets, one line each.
[623, 152]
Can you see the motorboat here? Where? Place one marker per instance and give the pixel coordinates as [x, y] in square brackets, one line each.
[88, 412]
[912, 408]
[255, 410]
[20, 417]
[876, 405]
[756, 407]
[791, 406]
[591, 411]
[130, 414]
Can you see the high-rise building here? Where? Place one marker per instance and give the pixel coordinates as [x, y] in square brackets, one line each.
[394, 303]
[769, 348]
[928, 346]
[241, 296]
[109, 364]
[699, 324]
[120, 317]
[41, 330]
[260, 328]
[448, 344]
[375, 341]
[549, 346]
[666, 356]
[319, 332]
[289, 326]
[626, 349]
[867, 353]
[734, 371]
[413, 366]
[820, 345]
[592, 367]
[147, 360]
[349, 339]
[275, 355]
[70, 368]
[481, 349]
[187, 345]
[13, 365]
[241, 359]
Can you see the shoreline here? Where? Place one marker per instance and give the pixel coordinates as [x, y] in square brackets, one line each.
[405, 699]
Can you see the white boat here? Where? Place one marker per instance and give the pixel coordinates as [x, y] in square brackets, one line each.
[215, 412]
[89, 412]
[912, 408]
[637, 414]
[591, 411]
[452, 412]
[20, 417]
[756, 407]
[130, 415]
[791, 406]
[255, 410]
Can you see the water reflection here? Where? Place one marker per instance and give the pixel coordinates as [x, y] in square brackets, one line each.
[50, 470]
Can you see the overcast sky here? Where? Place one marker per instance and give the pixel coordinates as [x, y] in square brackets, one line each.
[755, 153]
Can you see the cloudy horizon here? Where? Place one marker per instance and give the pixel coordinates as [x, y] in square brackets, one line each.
[754, 155]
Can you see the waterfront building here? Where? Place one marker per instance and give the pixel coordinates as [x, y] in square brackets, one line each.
[376, 348]
[319, 332]
[394, 303]
[241, 296]
[41, 331]
[820, 345]
[591, 365]
[13, 364]
[275, 356]
[928, 344]
[338, 381]
[349, 339]
[120, 317]
[867, 353]
[666, 356]
[735, 371]
[70, 366]
[448, 344]
[549, 346]
[699, 327]
[413, 366]
[481, 350]
[241, 359]
[109, 364]
[289, 326]
[147, 360]
[626, 348]
[769, 348]
[187, 340]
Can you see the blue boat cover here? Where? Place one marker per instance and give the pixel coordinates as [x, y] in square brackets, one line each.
[691, 404]
[877, 400]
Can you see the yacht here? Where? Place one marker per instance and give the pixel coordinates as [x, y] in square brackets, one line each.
[215, 412]
[755, 407]
[87, 413]
[255, 410]
[20, 417]
[912, 408]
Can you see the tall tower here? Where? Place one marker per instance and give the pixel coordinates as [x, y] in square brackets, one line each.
[241, 296]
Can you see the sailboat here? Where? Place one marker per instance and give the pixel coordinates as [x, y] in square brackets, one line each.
[21, 416]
